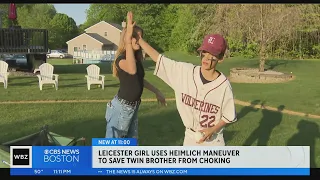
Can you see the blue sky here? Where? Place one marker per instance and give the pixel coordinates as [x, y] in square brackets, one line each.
[76, 11]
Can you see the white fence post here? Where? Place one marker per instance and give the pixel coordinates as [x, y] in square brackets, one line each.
[94, 56]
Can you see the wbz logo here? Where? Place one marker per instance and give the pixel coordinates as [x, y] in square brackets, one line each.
[20, 156]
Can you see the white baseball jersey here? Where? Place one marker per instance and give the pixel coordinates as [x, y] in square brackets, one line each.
[199, 105]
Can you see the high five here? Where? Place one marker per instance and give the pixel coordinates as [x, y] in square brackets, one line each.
[122, 111]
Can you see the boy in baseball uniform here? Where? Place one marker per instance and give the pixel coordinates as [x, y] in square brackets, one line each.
[203, 94]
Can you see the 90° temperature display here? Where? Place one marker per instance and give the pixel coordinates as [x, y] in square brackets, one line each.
[53, 171]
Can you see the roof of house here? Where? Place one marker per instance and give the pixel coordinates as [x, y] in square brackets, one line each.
[95, 36]
[99, 38]
[84, 34]
[117, 26]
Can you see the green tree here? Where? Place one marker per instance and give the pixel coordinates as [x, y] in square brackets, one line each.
[183, 29]
[148, 17]
[112, 13]
[81, 28]
[62, 28]
[4, 15]
[36, 16]
[166, 22]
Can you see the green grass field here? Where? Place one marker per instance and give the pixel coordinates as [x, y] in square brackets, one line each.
[162, 125]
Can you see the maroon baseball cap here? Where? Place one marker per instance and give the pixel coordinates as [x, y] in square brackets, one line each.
[214, 44]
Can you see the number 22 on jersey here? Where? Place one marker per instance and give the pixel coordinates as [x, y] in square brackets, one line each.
[207, 121]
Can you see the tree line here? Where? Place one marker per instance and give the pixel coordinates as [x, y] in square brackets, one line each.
[289, 31]
[252, 30]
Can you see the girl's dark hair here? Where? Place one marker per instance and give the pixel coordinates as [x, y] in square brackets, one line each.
[138, 54]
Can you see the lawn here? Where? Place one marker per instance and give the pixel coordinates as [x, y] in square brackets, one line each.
[162, 125]
[159, 125]
[302, 94]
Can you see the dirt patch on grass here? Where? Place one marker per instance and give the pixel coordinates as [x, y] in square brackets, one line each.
[252, 75]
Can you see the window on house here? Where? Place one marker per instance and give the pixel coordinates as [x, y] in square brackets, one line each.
[84, 47]
[105, 33]
[75, 49]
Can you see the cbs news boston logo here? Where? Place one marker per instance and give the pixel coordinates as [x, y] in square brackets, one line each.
[21, 156]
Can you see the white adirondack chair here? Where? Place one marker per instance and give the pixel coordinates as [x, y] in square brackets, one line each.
[94, 76]
[46, 75]
[4, 73]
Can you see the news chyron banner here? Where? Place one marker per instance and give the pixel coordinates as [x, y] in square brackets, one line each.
[123, 157]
